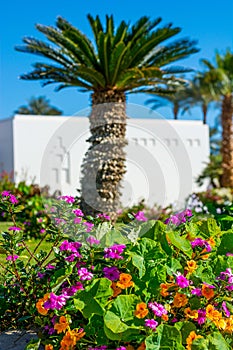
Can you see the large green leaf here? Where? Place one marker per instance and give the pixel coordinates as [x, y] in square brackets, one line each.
[114, 323]
[226, 245]
[166, 337]
[180, 242]
[124, 307]
[217, 341]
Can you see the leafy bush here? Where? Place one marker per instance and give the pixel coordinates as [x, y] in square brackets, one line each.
[144, 285]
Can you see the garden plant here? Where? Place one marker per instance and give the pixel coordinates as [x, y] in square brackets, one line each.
[146, 284]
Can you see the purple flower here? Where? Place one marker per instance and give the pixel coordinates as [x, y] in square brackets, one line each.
[78, 212]
[140, 216]
[112, 273]
[102, 347]
[14, 228]
[197, 292]
[182, 281]
[5, 193]
[104, 216]
[92, 240]
[12, 257]
[201, 316]
[42, 230]
[230, 288]
[84, 274]
[73, 256]
[13, 199]
[151, 324]
[55, 301]
[88, 225]
[70, 291]
[121, 348]
[50, 267]
[114, 251]
[70, 246]
[199, 242]
[67, 199]
[59, 221]
[225, 309]
[229, 254]
[158, 309]
[77, 220]
[173, 219]
[41, 275]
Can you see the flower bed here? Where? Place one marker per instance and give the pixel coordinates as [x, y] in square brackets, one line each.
[142, 285]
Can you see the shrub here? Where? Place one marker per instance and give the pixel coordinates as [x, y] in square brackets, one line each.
[144, 285]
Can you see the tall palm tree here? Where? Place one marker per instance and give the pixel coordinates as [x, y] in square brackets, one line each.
[38, 106]
[120, 59]
[219, 77]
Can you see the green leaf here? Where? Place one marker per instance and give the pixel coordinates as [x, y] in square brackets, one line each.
[185, 328]
[200, 344]
[79, 304]
[209, 228]
[33, 344]
[124, 306]
[166, 337]
[180, 242]
[114, 323]
[226, 245]
[217, 341]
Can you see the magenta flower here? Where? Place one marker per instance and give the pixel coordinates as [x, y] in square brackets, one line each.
[112, 273]
[13, 199]
[140, 216]
[201, 316]
[151, 324]
[158, 309]
[197, 292]
[78, 212]
[114, 251]
[14, 228]
[121, 348]
[55, 301]
[229, 254]
[73, 256]
[50, 267]
[77, 220]
[92, 240]
[70, 291]
[104, 216]
[42, 230]
[88, 225]
[101, 347]
[84, 274]
[12, 257]
[67, 199]
[5, 193]
[199, 242]
[41, 275]
[225, 309]
[182, 281]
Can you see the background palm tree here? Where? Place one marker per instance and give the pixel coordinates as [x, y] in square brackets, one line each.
[176, 100]
[38, 106]
[219, 78]
[126, 58]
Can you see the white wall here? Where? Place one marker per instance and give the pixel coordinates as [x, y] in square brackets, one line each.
[163, 156]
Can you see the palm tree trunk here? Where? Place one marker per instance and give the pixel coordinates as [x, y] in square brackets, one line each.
[175, 111]
[227, 141]
[204, 111]
[104, 163]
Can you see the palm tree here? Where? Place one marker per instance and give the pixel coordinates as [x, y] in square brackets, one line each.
[38, 106]
[198, 93]
[120, 59]
[219, 78]
[176, 100]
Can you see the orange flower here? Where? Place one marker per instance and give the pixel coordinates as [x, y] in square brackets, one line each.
[204, 256]
[142, 346]
[207, 292]
[48, 347]
[125, 281]
[190, 313]
[229, 324]
[164, 317]
[192, 336]
[211, 241]
[165, 288]
[180, 300]
[192, 265]
[129, 347]
[70, 339]
[220, 323]
[40, 305]
[116, 290]
[141, 310]
[62, 325]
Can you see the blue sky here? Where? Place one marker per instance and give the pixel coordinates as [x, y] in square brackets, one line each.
[208, 21]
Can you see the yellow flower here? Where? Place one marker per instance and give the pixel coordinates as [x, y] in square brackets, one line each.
[62, 325]
[220, 323]
[192, 336]
[70, 339]
[125, 281]
[141, 310]
[212, 314]
[190, 313]
[180, 300]
[229, 324]
[192, 265]
[211, 241]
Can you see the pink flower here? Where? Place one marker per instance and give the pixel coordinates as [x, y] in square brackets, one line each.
[14, 228]
[140, 216]
[151, 323]
[88, 225]
[114, 251]
[225, 309]
[50, 267]
[182, 281]
[197, 292]
[78, 212]
[12, 257]
[67, 199]
[13, 199]
[158, 309]
[92, 240]
[112, 273]
[104, 216]
[84, 274]
[5, 193]
[55, 301]
[77, 220]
